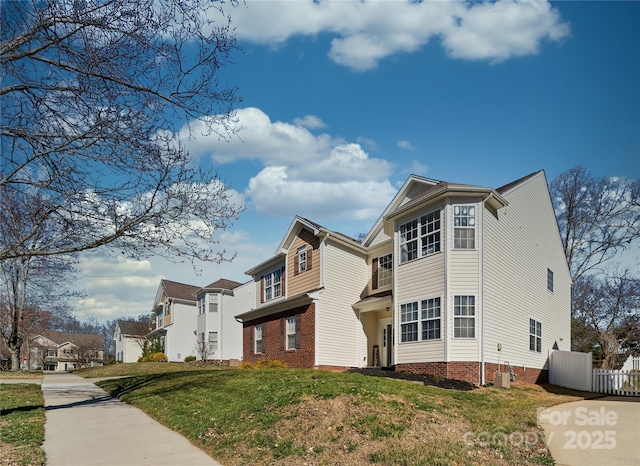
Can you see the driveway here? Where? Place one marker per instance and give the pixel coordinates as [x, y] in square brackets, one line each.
[599, 432]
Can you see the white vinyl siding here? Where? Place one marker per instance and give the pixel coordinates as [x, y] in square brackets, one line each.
[340, 339]
[526, 230]
[417, 281]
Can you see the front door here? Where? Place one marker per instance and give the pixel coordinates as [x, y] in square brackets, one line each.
[386, 338]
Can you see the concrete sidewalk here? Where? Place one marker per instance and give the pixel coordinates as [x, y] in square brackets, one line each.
[598, 432]
[85, 426]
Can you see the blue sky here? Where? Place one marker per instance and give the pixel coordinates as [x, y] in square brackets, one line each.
[342, 101]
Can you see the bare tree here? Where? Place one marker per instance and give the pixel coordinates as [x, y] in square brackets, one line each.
[95, 94]
[32, 288]
[598, 218]
[607, 309]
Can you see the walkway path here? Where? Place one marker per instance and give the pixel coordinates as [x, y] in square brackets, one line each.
[85, 426]
[598, 432]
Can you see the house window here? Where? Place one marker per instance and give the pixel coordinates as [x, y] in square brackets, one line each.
[431, 319]
[409, 241]
[429, 227]
[430, 233]
[385, 270]
[302, 259]
[535, 335]
[213, 302]
[272, 285]
[167, 308]
[291, 333]
[549, 280]
[257, 330]
[51, 353]
[201, 304]
[213, 341]
[464, 320]
[464, 223]
[409, 322]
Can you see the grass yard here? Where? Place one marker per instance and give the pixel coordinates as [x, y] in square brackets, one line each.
[306, 417]
[20, 375]
[21, 425]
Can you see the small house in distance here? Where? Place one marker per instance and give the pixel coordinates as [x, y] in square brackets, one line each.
[129, 337]
[219, 334]
[175, 316]
[61, 351]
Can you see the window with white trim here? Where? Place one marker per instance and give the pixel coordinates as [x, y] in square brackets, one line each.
[201, 304]
[385, 270]
[427, 230]
[257, 331]
[409, 322]
[430, 233]
[213, 302]
[535, 335]
[213, 341]
[273, 285]
[431, 319]
[464, 227]
[549, 280]
[302, 258]
[291, 333]
[464, 320]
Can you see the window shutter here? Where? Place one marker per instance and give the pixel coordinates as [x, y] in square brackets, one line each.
[262, 289]
[252, 345]
[296, 264]
[283, 335]
[298, 320]
[282, 282]
[309, 257]
[374, 274]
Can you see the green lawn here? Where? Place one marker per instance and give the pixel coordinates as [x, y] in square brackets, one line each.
[21, 424]
[290, 416]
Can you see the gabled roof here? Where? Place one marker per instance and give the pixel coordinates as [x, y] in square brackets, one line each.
[178, 290]
[134, 328]
[315, 228]
[508, 187]
[223, 284]
[81, 340]
[409, 184]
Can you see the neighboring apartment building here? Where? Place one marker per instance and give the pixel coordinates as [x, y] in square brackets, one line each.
[446, 276]
[175, 315]
[61, 351]
[219, 334]
[129, 337]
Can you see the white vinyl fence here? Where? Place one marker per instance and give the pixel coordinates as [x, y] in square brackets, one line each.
[616, 382]
[571, 369]
[575, 370]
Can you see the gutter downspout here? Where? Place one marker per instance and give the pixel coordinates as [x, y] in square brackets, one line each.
[481, 290]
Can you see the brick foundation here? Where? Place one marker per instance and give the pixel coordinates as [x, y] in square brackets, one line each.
[523, 374]
[303, 357]
[469, 371]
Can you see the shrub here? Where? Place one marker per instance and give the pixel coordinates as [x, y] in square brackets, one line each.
[263, 363]
[158, 357]
[190, 358]
[143, 359]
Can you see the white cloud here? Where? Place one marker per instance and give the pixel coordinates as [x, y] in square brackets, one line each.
[310, 121]
[416, 168]
[405, 145]
[274, 192]
[367, 31]
[293, 158]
